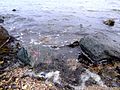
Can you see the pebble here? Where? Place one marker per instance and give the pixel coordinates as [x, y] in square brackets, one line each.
[109, 22]
[14, 10]
[1, 21]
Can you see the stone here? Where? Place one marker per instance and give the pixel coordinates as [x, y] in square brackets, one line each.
[22, 55]
[1, 21]
[46, 59]
[109, 22]
[101, 46]
[9, 46]
[3, 35]
[74, 44]
[14, 10]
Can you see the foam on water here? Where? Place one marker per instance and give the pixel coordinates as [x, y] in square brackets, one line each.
[55, 76]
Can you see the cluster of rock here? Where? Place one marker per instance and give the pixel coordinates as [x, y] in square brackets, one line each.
[64, 65]
[95, 49]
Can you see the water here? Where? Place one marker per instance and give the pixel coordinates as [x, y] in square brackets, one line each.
[58, 22]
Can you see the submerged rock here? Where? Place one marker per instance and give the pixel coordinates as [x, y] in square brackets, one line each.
[101, 46]
[109, 22]
[1, 21]
[14, 10]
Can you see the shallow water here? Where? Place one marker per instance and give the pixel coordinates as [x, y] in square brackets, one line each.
[58, 22]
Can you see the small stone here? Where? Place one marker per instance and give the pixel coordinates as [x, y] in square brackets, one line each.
[14, 10]
[109, 22]
[74, 44]
[24, 87]
[1, 21]
[50, 85]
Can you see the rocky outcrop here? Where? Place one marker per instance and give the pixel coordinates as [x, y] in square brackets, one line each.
[9, 46]
[3, 35]
[101, 46]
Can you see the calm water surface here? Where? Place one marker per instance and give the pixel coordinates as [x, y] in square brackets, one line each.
[58, 22]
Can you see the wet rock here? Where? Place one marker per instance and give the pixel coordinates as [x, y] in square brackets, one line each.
[8, 49]
[3, 35]
[46, 63]
[46, 59]
[4, 39]
[22, 55]
[36, 56]
[1, 20]
[101, 46]
[74, 44]
[109, 22]
[14, 10]
[43, 54]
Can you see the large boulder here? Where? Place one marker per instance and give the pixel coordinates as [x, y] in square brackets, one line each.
[34, 55]
[101, 46]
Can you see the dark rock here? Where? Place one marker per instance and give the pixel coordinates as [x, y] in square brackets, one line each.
[101, 46]
[14, 10]
[118, 69]
[1, 20]
[48, 59]
[3, 35]
[109, 22]
[8, 49]
[39, 55]
[74, 44]
[22, 55]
